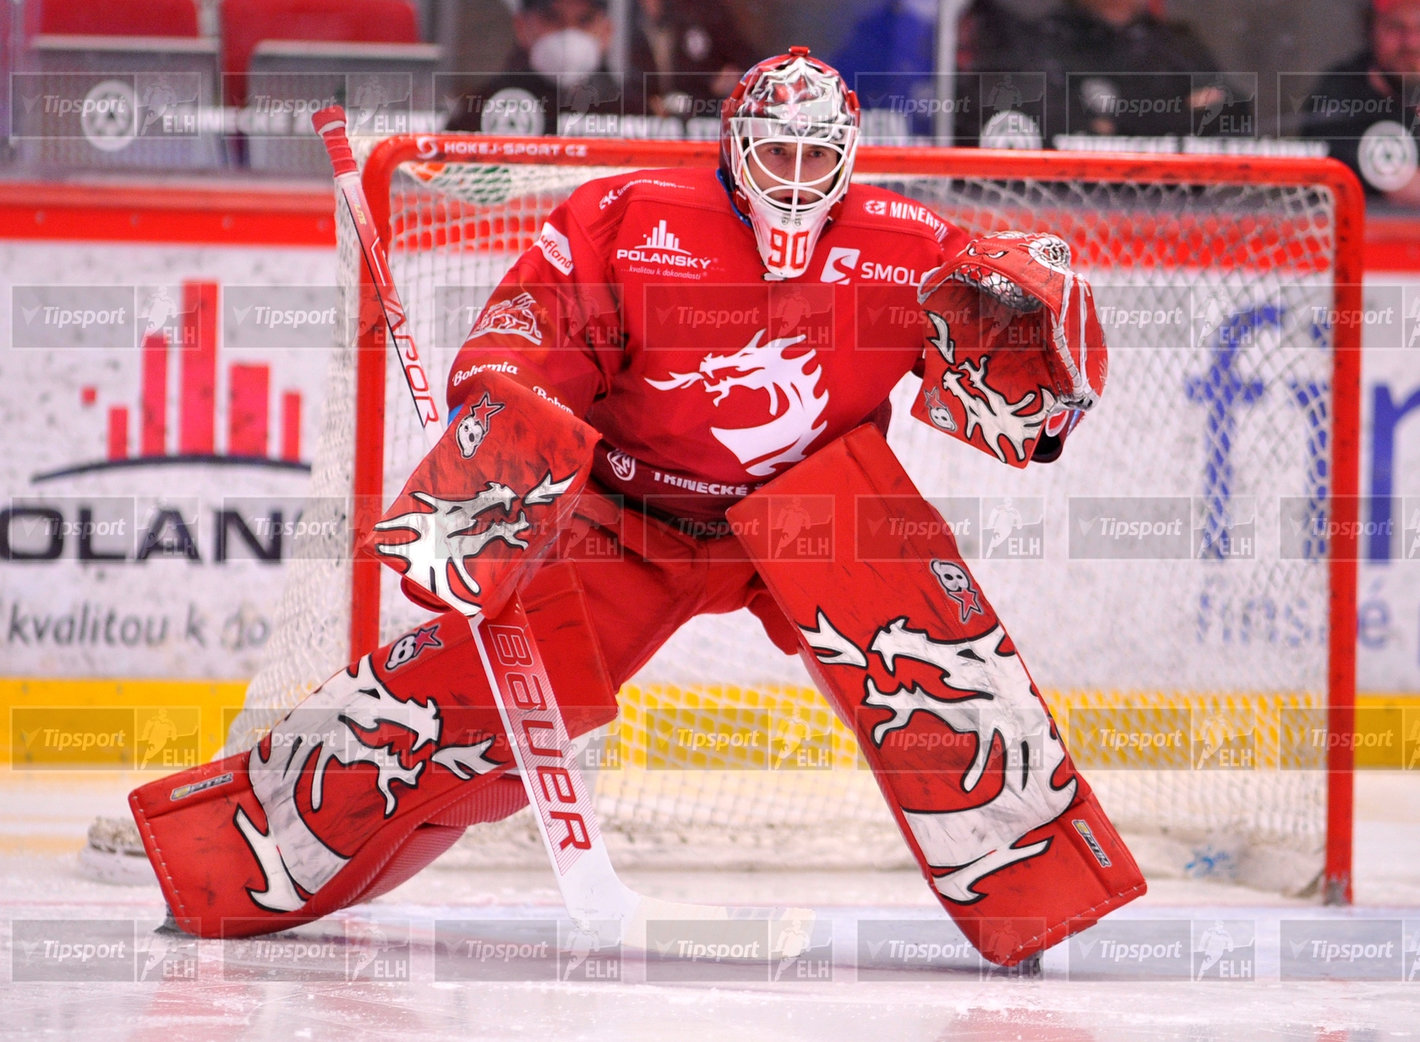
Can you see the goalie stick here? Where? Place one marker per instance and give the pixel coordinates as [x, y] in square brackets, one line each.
[557, 789]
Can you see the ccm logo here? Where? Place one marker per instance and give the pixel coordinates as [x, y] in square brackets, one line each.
[841, 262]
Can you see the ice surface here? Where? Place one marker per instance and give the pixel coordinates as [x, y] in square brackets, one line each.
[469, 955]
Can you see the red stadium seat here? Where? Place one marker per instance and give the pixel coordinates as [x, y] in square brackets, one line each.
[245, 23]
[119, 18]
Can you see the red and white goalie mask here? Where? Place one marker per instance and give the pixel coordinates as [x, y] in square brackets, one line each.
[788, 135]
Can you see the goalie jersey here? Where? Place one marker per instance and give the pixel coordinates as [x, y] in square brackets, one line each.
[643, 307]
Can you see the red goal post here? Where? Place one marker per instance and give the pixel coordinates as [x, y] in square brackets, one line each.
[1259, 224]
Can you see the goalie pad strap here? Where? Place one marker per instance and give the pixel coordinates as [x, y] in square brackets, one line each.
[912, 656]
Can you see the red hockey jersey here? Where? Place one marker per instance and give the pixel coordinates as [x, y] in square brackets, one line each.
[643, 307]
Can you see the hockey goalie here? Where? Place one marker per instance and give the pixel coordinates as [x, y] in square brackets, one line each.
[680, 359]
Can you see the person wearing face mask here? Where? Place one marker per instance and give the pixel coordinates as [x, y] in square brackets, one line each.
[688, 54]
[555, 77]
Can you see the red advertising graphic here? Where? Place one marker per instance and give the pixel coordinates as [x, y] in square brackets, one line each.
[249, 436]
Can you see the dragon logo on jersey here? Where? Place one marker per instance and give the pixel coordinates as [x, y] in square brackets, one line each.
[987, 412]
[517, 315]
[353, 718]
[981, 689]
[795, 401]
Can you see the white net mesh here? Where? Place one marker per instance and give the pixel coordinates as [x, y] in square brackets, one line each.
[1189, 683]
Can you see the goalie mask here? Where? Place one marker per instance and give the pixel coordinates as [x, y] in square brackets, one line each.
[788, 135]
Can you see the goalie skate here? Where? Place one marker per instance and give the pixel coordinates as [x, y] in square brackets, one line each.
[113, 853]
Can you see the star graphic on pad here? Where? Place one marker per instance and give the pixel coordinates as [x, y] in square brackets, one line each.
[968, 600]
[427, 637]
[485, 409]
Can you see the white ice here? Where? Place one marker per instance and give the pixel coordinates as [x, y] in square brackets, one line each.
[387, 970]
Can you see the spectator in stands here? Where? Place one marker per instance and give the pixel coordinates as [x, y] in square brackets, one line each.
[556, 79]
[1112, 68]
[889, 58]
[1363, 111]
[688, 54]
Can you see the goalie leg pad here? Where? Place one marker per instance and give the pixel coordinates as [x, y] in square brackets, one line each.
[900, 640]
[367, 780]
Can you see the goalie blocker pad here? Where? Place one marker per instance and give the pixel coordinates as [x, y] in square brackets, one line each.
[487, 500]
[899, 638]
[366, 781]
[1015, 353]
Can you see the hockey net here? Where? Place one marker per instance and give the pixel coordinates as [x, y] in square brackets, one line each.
[1180, 583]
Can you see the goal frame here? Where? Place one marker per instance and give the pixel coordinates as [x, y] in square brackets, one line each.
[1165, 169]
